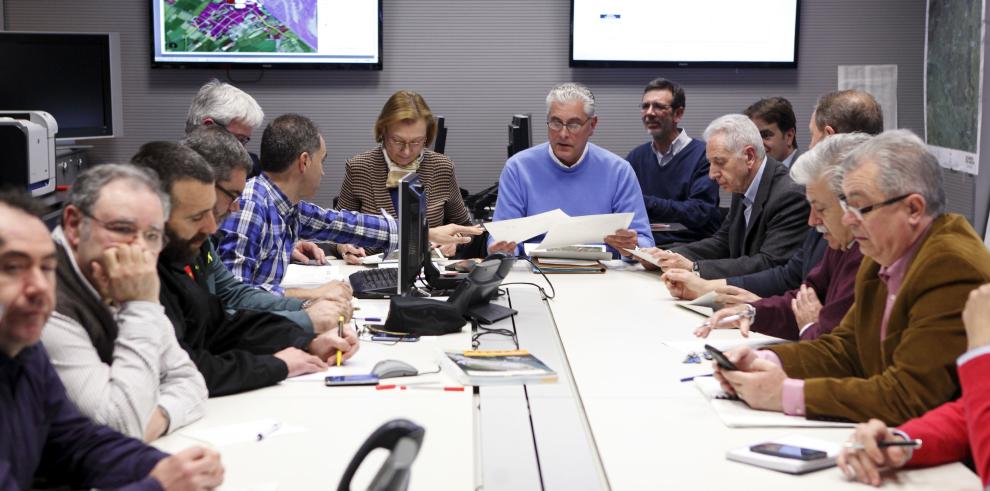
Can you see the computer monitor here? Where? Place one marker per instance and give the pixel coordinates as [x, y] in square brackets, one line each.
[75, 77]
[520, 133]
[414, 247]
[440, 143]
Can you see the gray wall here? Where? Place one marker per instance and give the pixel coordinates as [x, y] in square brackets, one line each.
[478, 63]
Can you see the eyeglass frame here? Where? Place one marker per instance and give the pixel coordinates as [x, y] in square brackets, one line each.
[572, 127]
[860, 212]
[658, 106]
[403, 145]
[228, 193]
[162, 237]
[241, 138]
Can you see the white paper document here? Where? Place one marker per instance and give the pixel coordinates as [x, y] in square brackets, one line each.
[789, 465]
[304, 276]
[584, 229]
[520, 229]
[737, 414]
[706, 300]
[639, 254]
[220, 436]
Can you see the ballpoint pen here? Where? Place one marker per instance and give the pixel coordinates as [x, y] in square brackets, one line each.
[916, 443]
[749, 314]
[340, 334]
[266, 433]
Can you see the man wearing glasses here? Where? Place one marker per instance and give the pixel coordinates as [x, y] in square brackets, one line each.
[572, 174]
[892, 357]
[672, 168]
[109, 338]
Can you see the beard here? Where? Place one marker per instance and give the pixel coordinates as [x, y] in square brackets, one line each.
[180, 250]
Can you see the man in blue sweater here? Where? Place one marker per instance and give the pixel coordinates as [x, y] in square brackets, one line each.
[572, 174]
[672, 168]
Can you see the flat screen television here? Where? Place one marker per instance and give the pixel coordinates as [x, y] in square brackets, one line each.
[267, 33]
[75, 77]
[665, 33]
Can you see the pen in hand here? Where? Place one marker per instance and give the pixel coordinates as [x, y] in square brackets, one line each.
[340, 334]
[731, 318]
[266, 433]
[916, 443]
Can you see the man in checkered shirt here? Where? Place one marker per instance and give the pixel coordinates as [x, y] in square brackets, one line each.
[257, 240]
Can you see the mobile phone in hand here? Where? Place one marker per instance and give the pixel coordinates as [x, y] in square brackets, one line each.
[720, 358]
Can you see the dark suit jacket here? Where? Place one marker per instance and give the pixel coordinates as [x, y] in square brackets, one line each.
[777, 225]
[851, 373]
[780, 279]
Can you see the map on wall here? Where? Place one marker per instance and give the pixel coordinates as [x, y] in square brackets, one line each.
[241, 26]
[953, 78]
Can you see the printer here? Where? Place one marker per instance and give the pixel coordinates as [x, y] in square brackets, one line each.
[28, 158]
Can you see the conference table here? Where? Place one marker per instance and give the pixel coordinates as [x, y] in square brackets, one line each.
[618, 418]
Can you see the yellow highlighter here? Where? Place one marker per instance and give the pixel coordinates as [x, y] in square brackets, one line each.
[340, 334]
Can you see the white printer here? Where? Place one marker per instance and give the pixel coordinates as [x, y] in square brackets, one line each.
[28, 158]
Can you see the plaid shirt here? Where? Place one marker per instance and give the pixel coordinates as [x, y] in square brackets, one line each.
[257, 240]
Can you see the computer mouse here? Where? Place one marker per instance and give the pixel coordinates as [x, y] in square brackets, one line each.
[393, 368]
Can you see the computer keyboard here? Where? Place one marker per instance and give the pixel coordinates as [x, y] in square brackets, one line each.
[375, 283]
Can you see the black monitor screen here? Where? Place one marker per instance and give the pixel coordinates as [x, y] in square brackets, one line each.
[413, 233]
[67, 75]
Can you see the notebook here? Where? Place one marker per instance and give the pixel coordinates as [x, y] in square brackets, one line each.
[788, 465]
[737, 414]
[496, 367]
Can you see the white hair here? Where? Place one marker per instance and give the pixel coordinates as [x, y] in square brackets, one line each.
[904, 166]
[570, 92]
[737, 131]
[224, 103]
[825, 160]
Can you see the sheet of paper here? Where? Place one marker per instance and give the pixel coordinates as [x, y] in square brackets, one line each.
[697, 309]
[737, 414]
[520, 229]
[706, 300]
[638, 253]
[220, 436]
[303, 276]
[585, 229]
[421, 354]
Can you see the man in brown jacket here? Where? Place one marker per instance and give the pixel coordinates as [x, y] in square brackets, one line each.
[892, 356]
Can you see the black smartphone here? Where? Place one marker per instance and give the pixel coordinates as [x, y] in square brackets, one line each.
[362, 379]
[720, 358]
[788, 451]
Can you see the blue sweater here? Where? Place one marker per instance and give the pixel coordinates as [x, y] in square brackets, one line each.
[532, 183]
[679, 192]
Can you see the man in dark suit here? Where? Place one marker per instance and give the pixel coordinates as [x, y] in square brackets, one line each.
[766, 221]
[845, 111]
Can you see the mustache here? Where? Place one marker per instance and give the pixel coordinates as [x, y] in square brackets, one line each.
[821, 229]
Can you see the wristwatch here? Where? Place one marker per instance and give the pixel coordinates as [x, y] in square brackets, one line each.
[696, 268]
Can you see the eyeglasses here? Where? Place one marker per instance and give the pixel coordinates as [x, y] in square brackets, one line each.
[572, 126]
[411, 145]
[126, 231]
[234, 196]
[244, 139]
[657, 106]
[859, 212]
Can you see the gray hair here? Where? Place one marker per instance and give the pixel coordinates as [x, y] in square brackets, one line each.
[825, 160]
[220, 148]
[904, 166]
[737, 131]
[224, 103]
[570, 92]
[85, 191]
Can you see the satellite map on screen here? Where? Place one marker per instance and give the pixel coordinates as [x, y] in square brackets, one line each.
[240, 26]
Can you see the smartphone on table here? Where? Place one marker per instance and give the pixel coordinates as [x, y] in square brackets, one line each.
[788, 451]
[341, 380]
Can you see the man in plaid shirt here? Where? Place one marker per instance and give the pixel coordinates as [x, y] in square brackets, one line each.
[257, 240]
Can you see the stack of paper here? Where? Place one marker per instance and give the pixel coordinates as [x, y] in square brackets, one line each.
[560, 228]
[304, 276]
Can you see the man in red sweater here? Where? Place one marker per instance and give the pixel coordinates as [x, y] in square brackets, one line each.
[952, 432]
